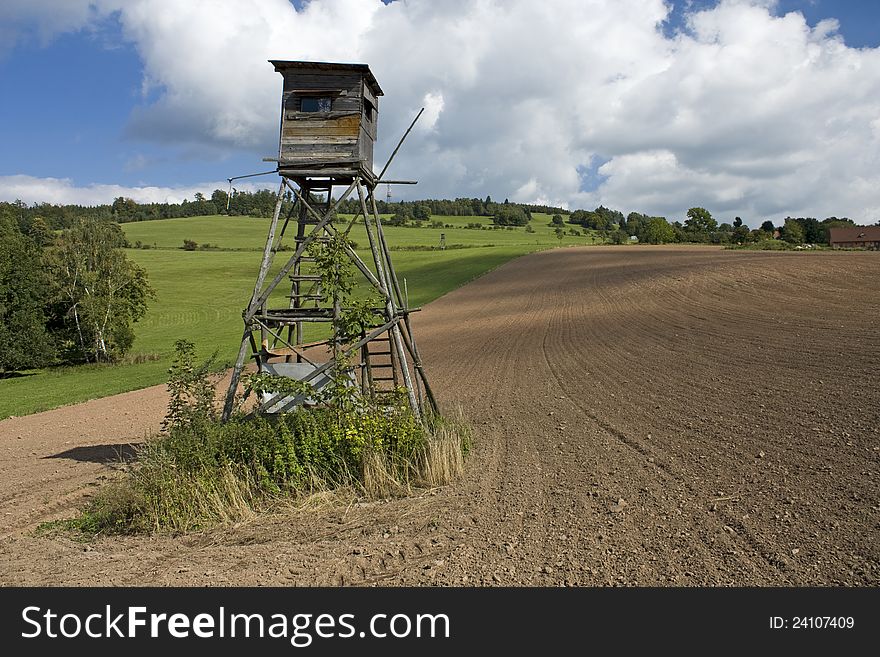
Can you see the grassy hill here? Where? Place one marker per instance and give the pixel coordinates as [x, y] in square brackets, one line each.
[200, 294]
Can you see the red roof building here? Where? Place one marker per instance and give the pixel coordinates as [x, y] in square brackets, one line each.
[856, 237]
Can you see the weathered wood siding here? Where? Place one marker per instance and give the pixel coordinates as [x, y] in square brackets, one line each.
[369, 124]
[342, 136]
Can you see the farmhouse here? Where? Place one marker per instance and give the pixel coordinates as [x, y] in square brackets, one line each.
[857, 237]
[329, 114]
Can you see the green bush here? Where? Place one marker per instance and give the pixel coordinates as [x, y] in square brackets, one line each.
[201, 471]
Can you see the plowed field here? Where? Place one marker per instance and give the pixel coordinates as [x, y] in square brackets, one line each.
[643, 416]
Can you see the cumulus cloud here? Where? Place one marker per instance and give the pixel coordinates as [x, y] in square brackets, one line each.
[742, 111]
[31, 189]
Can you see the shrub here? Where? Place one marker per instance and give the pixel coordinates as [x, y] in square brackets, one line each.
[200, 471]
[510, 215]
[189, 245]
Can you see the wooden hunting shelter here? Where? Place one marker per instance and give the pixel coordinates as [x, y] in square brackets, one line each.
[329, 114]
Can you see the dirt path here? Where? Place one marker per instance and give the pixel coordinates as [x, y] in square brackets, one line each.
[644, 416]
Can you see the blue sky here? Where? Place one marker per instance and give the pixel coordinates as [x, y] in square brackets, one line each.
[75, 99]
[859, 19]
[102, 99]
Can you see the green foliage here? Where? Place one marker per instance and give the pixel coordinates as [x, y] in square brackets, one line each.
[421, 212]
[337, 273]
[763, 245]
[699, 223]
[510, 215]
[740, 233]
[202, 471]
[634, 223]
[24, 341]
[557, 220]
[40, 232]
[792, 232]
[98, 293]
[620, 236]
[189, 245]
[190, 390]
[335, 267]
[649, 230]
[768, 227]
[589, 219]
[601, 218]
[402, 216]
[357, 316]
[656, 231]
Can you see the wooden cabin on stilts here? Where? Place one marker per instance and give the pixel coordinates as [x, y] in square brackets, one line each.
[329, 114]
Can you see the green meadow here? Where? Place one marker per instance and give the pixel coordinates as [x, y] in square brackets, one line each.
[200, 294]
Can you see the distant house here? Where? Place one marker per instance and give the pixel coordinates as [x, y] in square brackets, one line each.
[856, 237]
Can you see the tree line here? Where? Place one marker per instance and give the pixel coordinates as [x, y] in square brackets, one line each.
[700, 227]
[460, 207]
[260, 203]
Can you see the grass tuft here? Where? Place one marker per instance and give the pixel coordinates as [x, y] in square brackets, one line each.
[206, 473]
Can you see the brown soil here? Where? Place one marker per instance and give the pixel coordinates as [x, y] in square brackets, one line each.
[668, 416]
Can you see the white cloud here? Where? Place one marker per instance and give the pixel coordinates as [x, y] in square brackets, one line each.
[744, 112]
[31, 190]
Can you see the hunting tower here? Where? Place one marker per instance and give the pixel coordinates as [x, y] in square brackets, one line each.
[329, 114]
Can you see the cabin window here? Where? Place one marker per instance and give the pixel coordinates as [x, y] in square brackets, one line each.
[315, 104]
[368, 110]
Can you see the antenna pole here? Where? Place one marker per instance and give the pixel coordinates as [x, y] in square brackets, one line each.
[399, 144]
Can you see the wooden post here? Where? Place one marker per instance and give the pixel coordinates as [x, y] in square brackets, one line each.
[268, 252]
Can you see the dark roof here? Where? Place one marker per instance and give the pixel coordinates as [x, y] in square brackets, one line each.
[284, 65]
[854, 234]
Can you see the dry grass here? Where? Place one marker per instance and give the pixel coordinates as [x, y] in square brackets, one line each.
[159, 495]
[194, 500]
[444, 456]
[439, 463]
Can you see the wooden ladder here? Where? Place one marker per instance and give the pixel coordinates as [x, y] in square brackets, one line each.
[380, 366]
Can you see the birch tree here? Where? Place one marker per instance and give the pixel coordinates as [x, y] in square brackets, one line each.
[99, 293]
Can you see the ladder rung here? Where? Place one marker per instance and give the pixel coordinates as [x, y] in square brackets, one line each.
[379, 353]
[383, 378]
[305, 277]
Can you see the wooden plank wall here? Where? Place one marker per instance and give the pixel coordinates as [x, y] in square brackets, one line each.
[342, 135]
